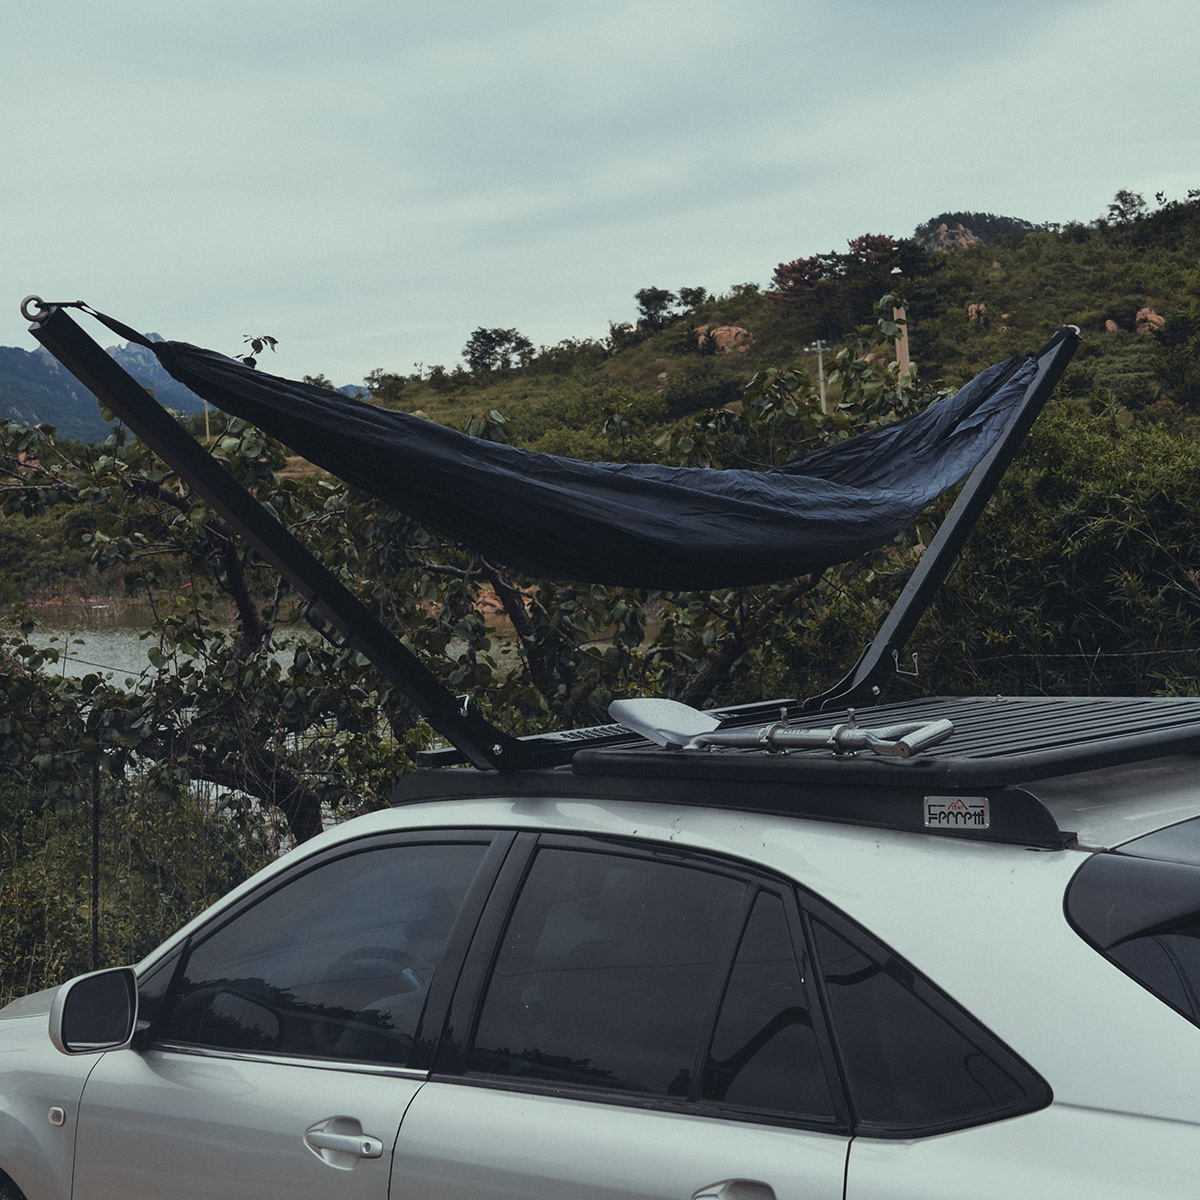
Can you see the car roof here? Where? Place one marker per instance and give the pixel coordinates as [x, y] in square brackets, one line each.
[1107, 808]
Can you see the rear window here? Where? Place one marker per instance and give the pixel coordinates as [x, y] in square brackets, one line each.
[1139, 906]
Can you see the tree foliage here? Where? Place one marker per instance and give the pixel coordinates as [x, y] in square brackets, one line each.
[834, 289]
[655, 307]
[496, 349]
[1126, 207]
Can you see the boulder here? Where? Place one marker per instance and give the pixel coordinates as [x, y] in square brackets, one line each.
[728, 339]
[1147, 320]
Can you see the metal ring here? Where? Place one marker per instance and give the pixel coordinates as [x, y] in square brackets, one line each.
[36, 318]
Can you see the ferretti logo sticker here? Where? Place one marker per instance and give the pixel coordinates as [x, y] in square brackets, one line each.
[957, 812]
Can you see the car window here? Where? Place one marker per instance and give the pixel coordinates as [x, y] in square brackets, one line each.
[764, 1052]
[913, 1062]
[1140, 907]
[1167, 964]
[336, 962]
[608, 971]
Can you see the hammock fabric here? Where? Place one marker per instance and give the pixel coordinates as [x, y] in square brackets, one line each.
[634, 525]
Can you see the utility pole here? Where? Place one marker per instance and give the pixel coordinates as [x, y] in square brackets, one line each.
[818, 347]
[901, 319]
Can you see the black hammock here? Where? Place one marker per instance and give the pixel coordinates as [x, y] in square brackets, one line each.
[629, 524]
[375, 448]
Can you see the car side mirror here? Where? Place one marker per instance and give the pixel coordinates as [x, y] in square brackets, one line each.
[95, 1012]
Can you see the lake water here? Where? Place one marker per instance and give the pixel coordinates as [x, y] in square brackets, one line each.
[109, 638]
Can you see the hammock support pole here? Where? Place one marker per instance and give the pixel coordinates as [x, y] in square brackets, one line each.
[881, 658]
[450, 716]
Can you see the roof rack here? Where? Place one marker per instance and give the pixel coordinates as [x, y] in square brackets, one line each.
[330, 604]
[993, 742]
[974, 782]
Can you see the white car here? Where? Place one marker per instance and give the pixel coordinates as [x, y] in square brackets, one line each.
[969, 969]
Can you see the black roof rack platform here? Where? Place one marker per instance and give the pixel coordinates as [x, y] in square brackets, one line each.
[1002, 814]
[996, 742]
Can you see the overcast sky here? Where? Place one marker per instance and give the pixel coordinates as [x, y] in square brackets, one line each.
[372, 180]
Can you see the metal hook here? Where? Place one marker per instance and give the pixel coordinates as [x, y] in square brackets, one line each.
[36, 318]
[896, 659]
[45, 309]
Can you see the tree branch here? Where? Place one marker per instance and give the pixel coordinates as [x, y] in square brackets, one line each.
[514, 602]
[721, 657]
[263, 778]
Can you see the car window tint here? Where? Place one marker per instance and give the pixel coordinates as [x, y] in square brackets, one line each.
[908, 1066]
[335, 963]
[764, 1051]
[607, 972]
[1167, 964]
[1140, 911]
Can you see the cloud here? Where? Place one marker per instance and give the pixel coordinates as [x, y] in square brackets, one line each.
[369, 182]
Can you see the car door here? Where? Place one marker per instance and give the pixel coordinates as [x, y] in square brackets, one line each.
[636, 1022]
[941, 1106]
[278, 1054]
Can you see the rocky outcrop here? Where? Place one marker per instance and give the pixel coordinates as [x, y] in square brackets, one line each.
[728, 339]
[948, 238]
[1147, 321]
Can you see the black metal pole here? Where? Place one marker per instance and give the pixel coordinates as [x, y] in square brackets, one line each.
[881, 657]
[476, 738]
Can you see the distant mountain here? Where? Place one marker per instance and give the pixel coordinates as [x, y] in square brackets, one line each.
[36, 390]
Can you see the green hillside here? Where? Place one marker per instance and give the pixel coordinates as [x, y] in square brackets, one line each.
[966, 307]
[999, 286]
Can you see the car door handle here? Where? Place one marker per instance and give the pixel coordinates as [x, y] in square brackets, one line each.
[736, 1189]
[340, 1142]
[344, 1143]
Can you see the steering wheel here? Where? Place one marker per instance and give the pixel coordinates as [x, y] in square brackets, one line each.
[395, 971]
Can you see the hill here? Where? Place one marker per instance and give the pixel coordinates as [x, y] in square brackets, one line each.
[976, 287]
[1129, 281]
[36, 390]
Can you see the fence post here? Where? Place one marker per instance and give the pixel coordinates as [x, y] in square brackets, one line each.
[94, 955]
